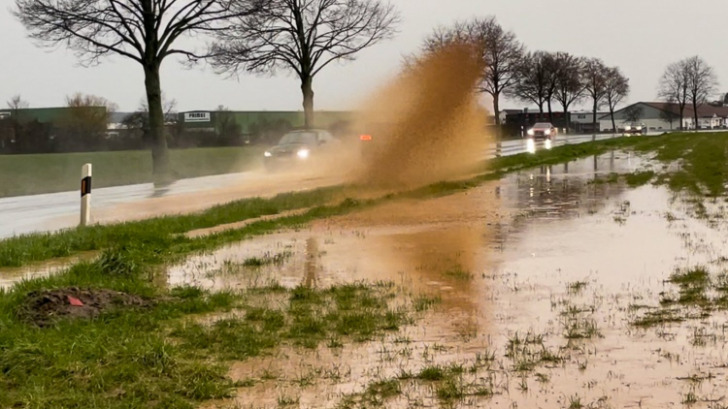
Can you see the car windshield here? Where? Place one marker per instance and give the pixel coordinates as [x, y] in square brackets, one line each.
[542, 125]
[298, 138]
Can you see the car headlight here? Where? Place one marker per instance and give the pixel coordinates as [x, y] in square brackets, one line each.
[530, 132]
[267, 154]
[302, 153]
[639, 128]
[547, 132]
[627, 128]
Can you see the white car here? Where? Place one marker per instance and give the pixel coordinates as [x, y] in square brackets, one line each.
[542, 130]
[634, 128]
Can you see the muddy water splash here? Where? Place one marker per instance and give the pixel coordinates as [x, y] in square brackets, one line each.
[426, 124]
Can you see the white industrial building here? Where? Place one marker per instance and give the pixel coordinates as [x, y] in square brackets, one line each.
[662, 116]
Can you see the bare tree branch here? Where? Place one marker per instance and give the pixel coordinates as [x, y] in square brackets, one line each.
[534, 77]
[302, 36]
[499, 50]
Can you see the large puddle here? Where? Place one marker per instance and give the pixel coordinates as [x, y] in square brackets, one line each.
[547, 254]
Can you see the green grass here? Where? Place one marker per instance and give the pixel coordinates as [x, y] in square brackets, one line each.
[57, 172]
[158, 356]
[639, 178]
[698, 295]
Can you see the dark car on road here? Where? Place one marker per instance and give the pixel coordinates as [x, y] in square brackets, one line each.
[300, 147]
[634, 128]
[542, 130]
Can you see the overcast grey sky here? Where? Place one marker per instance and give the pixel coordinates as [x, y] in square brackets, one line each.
[640, 36]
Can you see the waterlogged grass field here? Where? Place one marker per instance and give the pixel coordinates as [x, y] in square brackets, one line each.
[58, 172]
[173, 347]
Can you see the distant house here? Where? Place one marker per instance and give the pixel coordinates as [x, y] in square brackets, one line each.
[663, 116]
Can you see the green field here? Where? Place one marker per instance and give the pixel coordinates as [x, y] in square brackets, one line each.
[58, 172]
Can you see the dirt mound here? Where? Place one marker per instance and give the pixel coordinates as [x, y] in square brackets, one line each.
[42, 308]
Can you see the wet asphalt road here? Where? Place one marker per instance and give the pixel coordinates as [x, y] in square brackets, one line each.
[53, 211]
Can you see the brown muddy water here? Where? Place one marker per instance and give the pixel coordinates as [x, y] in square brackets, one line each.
[545, 256]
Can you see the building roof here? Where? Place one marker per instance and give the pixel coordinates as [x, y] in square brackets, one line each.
[47, 115]
[704, 110]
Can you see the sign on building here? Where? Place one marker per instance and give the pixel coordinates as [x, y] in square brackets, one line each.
[197, 117]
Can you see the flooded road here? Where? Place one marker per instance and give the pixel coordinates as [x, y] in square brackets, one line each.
[38, 213]
[53, 211]
[540, 279]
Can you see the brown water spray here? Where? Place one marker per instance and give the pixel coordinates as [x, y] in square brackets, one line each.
[427, 124]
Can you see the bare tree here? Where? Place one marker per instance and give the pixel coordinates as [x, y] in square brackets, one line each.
[616, 89]
[534, 79]
[442, 37]
[84, 127]
[302, 36]
[594, 77]
[502, 53]
[17, 102]
[701, 83]
[568, 87]
[673, 87]
[145, 31]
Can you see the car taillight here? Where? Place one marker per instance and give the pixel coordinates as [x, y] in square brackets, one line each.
[365, 137]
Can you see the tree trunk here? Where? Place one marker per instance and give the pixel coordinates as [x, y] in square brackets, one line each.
[157, 137]
[497, 116]
[307, 89]
[611, 113]
[594, 118]
[565, 107]
[551, 115]
[695, 114]
[682, 118]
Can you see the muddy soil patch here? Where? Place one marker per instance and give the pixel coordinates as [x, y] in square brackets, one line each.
[43, 308]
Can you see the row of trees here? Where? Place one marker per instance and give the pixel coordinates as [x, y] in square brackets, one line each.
[539, 77]
[302, 36]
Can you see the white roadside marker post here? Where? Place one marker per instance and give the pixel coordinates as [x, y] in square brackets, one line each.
[86, 195]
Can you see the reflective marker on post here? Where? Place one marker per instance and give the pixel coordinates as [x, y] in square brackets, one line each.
[86, 195]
